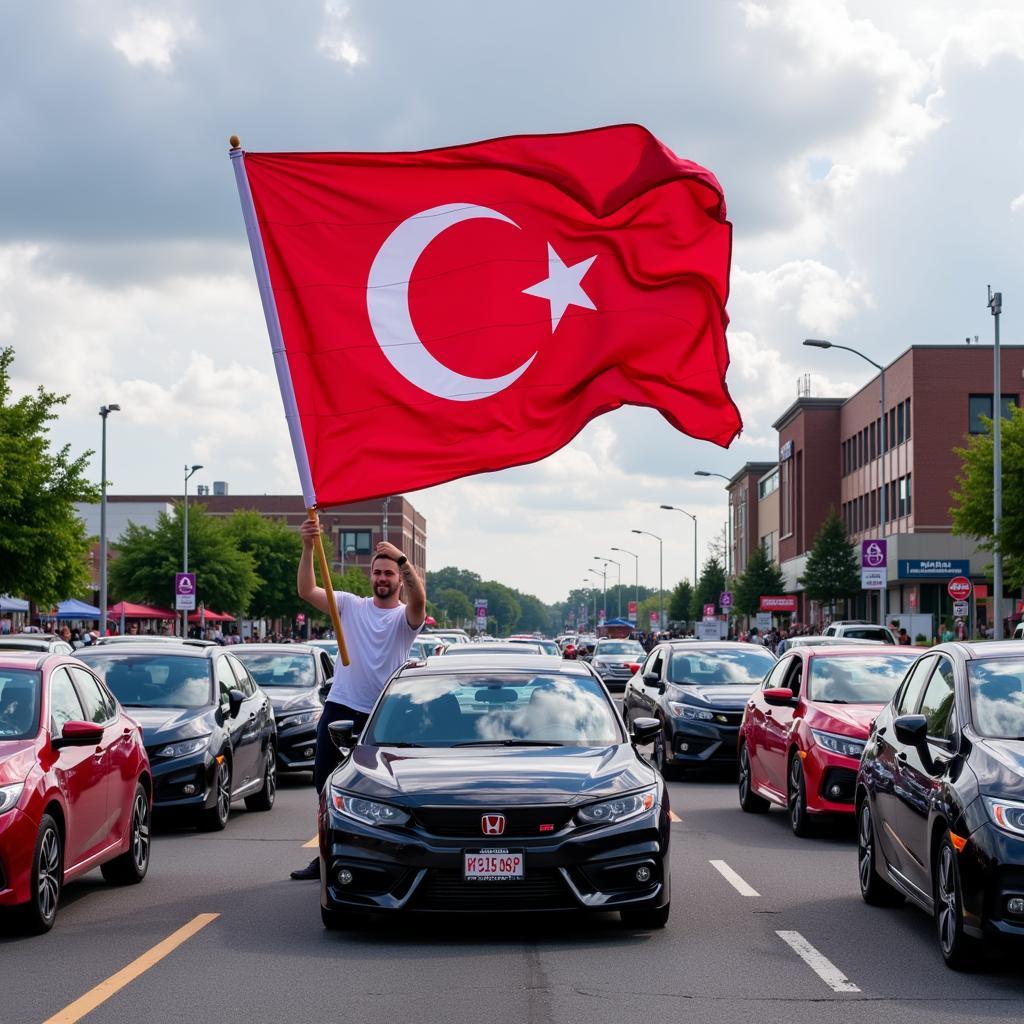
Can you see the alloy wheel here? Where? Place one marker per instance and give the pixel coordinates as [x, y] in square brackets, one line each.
[223, 792]
[140, 832]
[865, 847]
[744, 774]
[797, 799]
[49, 875]
[947, 909]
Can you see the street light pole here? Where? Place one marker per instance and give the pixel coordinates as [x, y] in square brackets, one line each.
[730, 560]
[618, 566]
[661, 576]
[883, 453]
[995, 304]
[184, 611]
[105, 411]
[675, 508]
[636, 575]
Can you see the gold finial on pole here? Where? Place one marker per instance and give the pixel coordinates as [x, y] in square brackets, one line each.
[235, 142]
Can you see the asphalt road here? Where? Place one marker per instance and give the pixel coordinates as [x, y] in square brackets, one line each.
[265, 956]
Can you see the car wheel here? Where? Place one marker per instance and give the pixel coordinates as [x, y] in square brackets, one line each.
[658, 759]
[264, 799]
[749, 800]
[959, 950]
[216, 818]
[873, 889]
[796, 799]
[47, 878]
[647, 920]
[131, 867]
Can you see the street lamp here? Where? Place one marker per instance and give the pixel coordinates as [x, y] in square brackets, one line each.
[676, 508]
[730, 562]
[636, 576]
[184, 611]
[618, 566]
[105, 411]
[588, 590]
[882, 451]
[995, 305]
[661, 576]
[603, 573]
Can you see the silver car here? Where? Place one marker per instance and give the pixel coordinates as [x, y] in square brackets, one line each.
[616, 661]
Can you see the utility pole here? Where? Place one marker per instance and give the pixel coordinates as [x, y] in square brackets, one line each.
[995, 304]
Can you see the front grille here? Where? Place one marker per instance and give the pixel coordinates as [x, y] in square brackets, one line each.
[466, 821]
[539, 890]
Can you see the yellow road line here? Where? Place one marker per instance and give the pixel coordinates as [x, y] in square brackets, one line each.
[105, 989]
[672, 816]
[312, 844]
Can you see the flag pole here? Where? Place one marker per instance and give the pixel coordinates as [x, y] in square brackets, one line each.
[284, 380]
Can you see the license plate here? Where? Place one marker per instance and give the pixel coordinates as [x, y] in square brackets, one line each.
[493, 866]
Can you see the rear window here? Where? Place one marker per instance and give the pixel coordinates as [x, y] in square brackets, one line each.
[154, 680]
[720, 668]
[19, 703]
[278, 669]
[843, 679]
[867, 633]
[618, 648]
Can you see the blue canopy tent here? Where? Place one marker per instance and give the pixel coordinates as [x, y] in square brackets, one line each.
[72, 609]
[13, 604]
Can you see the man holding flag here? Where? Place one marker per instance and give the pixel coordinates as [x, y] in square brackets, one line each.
[379, 631]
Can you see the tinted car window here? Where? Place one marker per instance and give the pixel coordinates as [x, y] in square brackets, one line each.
[272, 669]
[846, 680]
[723, 667]
[152, 680]
[618, 647]
[867, 633]
[225, 679]
[937, 702]
[655, 662]
[64, 703]
[85, 679]
[774, 678]
[906, 700]
[19, 703]
[94, 701]
[997, 696]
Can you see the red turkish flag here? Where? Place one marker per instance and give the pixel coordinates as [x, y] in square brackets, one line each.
[466, 309]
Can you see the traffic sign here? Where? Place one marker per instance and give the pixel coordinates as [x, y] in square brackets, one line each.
[725, 599]
[185, 591]
[959, 588]
[709, 611]
[961, 609]
[872, 579]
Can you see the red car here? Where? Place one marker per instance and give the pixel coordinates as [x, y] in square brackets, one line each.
[805, 727]
[75, 784]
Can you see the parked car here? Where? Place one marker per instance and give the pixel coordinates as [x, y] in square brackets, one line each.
[855, 629]
[330, 646]
[297, 679]
[75, 784]
[697, 690]
[44, 643]
[805, 727]
[491, 647]
[486, 785]
[940, 796]
[209, 729]
[616, 661]
[546, 646]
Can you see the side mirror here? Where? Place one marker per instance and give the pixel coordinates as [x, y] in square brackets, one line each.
[778, 696]
[325, 688]
[644, 730]
[78, 734]
[654, 680]
[235, 700]
[342, 734]
[912, 730]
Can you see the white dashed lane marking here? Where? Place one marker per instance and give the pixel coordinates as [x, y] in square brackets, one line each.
[818, 962]
[742, 887]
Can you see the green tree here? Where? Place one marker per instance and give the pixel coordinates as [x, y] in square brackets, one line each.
[454, 606]
[275, 551]
[148, 559]
[761, 577]
[709, 586]
[680, 602]
[833, 568]
[972, 500]
[43, 544]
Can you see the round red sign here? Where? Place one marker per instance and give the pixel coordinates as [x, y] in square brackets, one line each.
[959, 588]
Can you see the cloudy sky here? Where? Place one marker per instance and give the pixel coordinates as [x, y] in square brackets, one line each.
[872, 156]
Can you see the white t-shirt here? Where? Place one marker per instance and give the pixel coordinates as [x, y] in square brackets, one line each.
[378, 641]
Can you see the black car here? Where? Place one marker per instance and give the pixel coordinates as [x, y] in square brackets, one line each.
[494, 784]
[296, 678]
[940, 796]
[697, 690]
[208, 728]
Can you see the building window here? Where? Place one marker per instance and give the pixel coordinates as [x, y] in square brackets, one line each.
[874, 508]
[768, 545]
[904, 499]
[981, 405]
[768, 484]
[906, 417]
[355, 542]
[899, 424]
[871, 442]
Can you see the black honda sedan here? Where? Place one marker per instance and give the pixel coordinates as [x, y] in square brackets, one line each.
[494, 784]
[940, 796]
[208, 728]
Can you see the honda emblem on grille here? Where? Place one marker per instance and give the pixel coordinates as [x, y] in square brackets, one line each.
[492, 824]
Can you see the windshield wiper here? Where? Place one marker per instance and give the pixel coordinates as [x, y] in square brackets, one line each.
[403, 743]
[837, 701]
[508, 743]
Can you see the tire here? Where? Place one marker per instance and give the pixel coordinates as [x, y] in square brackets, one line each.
[47, 878]
[131, 867]
[215, 819]
[874, 890]
[667, 771]
[749, 800]
[264, 799]
[646, 920]
[959, 950]
[796, 799]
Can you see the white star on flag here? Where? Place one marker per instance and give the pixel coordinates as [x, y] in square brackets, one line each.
[562, 286]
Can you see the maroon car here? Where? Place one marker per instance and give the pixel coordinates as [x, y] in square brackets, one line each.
[75, 784]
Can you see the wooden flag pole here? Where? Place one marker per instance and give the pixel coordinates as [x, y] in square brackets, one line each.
[325, 576]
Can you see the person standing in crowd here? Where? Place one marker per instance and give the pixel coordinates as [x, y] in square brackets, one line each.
[379, 631]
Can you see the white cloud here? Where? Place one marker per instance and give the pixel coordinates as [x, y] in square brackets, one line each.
[336, 41]
[1018, 203]
[151, 40]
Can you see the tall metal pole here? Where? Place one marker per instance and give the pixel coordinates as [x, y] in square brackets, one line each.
[636, 574]
[184, 611]
[995, 304]
[105, 410]
[883, 594]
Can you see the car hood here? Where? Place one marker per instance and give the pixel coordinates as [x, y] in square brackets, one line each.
[723, 696]
[292, 697]
[475, 776]
[16, 760]
[852, 720]
[167, 725]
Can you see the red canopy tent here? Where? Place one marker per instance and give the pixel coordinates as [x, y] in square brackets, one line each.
[139, 611]
[211, 616]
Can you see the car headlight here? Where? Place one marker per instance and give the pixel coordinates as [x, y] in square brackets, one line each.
[838, 744]
[369, 812]
[183, 748]
[1006, 814]
[10, 795]
[689, 711]
[620, 809]
[303, 718]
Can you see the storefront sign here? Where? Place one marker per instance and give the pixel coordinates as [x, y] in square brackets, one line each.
[872, 579]
[874, 554]
[778, 604]
[933, 568]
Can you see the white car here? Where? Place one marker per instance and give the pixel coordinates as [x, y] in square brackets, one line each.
[860, 631]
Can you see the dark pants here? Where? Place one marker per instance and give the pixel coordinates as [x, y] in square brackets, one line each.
[327, 754]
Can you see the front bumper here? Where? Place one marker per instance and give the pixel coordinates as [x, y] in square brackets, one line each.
[831, 781]
[17, 844]
[296, 746]
[991, 872]
[573, 870]
[183, 783]
[695, 742]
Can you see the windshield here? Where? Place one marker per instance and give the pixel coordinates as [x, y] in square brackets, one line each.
[478, 649]
[720, 668]
[997, 697]
[154, 680]
[488, 709]
[545, 646]
[273, 669]
[839, 679]
[19, 703]
[618, 648]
